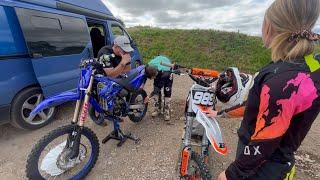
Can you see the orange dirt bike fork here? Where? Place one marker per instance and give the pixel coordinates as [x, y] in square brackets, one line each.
[186, 141]
[185, 158]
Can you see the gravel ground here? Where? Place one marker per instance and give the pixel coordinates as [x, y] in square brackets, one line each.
[155, 157]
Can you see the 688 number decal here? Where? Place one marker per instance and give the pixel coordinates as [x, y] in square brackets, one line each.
[203, 98]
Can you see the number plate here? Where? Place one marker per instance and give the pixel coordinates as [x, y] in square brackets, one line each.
[203, 98]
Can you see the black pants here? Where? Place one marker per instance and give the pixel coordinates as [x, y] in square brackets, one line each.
[163, 80]
[269, 170]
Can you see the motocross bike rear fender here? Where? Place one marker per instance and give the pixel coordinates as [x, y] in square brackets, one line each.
[213, 132]
[54, 101]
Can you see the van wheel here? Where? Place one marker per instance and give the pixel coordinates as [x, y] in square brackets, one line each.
[22, 106]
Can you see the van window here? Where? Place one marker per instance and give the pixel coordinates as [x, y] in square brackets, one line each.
[11, 39]
[50, 34]
[118, 31]
[46, 23]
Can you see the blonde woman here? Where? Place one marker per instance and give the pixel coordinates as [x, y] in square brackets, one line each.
[284, 101]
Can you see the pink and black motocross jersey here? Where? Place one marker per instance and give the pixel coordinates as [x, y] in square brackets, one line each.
[282, 105]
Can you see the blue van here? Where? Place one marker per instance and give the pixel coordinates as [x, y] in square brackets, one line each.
[41, 45]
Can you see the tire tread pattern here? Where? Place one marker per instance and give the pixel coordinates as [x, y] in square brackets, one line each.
[37, 149]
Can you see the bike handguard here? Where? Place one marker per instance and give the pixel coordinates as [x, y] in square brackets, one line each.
[231, 108]
[103, 60]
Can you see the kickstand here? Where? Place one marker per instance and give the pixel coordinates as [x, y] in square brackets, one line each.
[118, 135]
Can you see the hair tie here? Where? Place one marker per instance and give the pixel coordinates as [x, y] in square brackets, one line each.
[305, 34]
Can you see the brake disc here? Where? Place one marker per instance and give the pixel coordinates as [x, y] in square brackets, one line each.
[56, 162]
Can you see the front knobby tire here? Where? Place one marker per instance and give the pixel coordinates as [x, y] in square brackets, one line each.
[32, 169]
[203, 168]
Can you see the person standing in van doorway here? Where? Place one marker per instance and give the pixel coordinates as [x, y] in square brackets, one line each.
[163, 80]
[119, 61]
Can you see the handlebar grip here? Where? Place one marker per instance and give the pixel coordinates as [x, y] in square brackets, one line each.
[166, 64]
[204, 72]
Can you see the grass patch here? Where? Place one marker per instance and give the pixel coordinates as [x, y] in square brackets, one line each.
[203, 48]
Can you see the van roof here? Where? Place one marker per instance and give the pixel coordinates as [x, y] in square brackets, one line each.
[85, 7]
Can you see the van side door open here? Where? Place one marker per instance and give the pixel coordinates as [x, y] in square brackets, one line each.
[56, 42]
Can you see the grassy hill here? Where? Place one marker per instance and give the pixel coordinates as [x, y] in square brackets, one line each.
[202, 48]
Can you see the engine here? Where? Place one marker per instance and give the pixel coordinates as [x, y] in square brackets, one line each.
[119, 108]
[113, 105]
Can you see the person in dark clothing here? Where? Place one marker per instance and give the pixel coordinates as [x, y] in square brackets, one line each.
[163, 81]
[285, 98]
[98, 40]
[118, 56]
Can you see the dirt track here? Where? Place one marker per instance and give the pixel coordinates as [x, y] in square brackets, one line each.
[155, 157]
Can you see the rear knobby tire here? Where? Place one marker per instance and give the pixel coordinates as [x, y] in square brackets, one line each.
[96, 119]
[133, 117]
[32, 169]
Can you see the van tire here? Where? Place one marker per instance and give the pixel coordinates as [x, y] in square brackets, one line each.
[16, 110]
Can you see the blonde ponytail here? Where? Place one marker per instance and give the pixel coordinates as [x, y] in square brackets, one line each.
[293, 20]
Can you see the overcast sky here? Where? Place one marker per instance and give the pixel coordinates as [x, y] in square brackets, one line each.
[230, 15]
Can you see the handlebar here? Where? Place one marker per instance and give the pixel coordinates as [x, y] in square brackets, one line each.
[193, 72]
[87, 62]
[102, 60]
[167, 64]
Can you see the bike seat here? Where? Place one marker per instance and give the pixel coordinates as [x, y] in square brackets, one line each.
[125, 80]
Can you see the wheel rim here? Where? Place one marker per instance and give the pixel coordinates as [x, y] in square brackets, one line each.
[49, 165]
[29, 105]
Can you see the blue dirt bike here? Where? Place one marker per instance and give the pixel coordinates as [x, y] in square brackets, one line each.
[70, 152]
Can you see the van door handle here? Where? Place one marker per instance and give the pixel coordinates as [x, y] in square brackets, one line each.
[37, 55]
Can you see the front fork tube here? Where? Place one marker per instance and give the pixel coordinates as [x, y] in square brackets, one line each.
[85, 106]
[186, 151]
[205, 148]
[76, 112]
[188, 131]
[74, 138]
[188, 125]
[73, 142]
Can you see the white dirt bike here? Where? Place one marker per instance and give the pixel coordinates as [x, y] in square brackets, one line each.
[201, 101]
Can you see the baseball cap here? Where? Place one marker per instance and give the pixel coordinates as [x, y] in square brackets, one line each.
[124, 43]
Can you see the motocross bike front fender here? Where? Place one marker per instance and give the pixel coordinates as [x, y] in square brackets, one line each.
[54, 101]
[213, 132]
